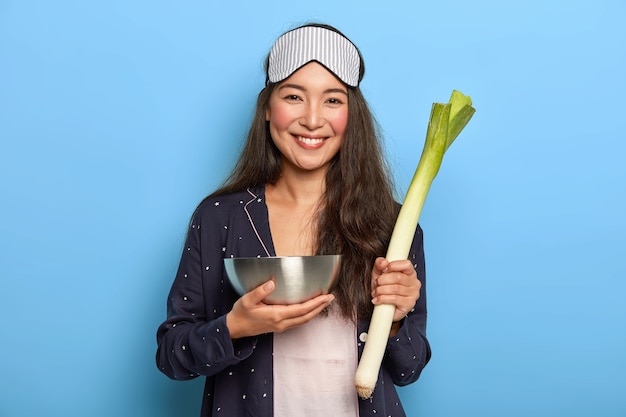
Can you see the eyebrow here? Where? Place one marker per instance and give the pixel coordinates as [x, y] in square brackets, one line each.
[301, 88]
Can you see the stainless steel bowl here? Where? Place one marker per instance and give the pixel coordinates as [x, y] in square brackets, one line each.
[298, 278]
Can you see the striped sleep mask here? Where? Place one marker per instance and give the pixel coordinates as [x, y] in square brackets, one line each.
[300, 46]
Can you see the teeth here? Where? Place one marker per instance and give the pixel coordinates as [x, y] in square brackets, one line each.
[310, 141]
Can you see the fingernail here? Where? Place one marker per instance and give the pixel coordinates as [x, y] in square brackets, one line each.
[269, 286]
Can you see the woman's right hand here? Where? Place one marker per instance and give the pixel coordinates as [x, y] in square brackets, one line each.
[250, 316]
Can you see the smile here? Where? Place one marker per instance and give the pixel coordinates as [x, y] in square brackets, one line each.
[310, 141]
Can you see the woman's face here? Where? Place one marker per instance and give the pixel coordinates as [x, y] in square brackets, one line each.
[307, 115]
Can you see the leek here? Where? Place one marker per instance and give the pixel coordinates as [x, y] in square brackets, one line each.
[446, 122]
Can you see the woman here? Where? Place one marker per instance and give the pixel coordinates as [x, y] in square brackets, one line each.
[310, 181]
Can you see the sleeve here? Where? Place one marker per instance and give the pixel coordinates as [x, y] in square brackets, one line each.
[408, 351]
[194, 339]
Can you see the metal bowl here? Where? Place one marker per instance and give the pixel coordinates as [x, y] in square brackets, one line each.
[298, 278]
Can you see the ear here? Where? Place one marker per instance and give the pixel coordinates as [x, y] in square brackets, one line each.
[267, 114]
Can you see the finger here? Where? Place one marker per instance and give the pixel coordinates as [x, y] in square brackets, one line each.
[380, 265]
[393, 289]
[398, 278]
[403, 266]
[397, 284]
[261, 292]
[302, 309]
[303, 318]
[403, 304]
[392, 299]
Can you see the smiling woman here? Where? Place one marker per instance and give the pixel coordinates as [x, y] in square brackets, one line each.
[304, 185]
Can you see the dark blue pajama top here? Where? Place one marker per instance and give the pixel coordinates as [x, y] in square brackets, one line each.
[194, 339]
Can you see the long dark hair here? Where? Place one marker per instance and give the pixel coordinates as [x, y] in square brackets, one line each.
[357, 211]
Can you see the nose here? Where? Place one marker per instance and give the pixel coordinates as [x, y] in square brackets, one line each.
[313, 117]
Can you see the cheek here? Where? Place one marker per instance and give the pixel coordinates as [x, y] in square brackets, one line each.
[279, 117]
[339, 122]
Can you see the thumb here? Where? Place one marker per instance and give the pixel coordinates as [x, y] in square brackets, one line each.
[261, 292]
[381, 265]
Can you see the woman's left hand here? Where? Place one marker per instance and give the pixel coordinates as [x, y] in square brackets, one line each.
[395, 283]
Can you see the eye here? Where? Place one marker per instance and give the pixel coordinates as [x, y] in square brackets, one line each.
[292, 97]
[335, 101]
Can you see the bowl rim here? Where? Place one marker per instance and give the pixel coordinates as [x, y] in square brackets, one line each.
[283, 256]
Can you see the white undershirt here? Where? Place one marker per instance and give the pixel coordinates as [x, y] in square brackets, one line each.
[314, 367]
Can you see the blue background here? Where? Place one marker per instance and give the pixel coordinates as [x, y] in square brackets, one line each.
[117, 117]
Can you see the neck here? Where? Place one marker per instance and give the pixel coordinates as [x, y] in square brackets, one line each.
[304, 188]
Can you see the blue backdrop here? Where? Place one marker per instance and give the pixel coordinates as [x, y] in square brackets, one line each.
[117, 117]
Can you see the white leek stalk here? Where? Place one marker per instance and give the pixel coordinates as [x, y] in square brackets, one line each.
[446, 122]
